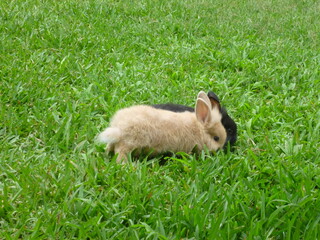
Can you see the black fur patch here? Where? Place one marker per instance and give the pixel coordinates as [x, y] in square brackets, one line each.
[173, 107]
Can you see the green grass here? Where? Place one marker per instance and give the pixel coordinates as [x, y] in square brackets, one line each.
[67, 66]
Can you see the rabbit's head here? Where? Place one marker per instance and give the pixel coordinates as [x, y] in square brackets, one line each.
[227, 121]
[208, 112]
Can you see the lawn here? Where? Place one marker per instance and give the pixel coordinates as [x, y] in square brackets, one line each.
[67, 66]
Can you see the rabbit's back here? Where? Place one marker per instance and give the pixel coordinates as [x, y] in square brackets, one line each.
[146, 127]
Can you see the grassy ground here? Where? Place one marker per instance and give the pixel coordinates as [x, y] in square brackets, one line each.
[67, 66]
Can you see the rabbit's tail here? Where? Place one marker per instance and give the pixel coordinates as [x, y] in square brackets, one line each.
[110, 135]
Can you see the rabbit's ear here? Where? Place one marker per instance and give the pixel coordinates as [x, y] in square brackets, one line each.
[214, 100]
[213, 96]
[203, 111]
[202, 95]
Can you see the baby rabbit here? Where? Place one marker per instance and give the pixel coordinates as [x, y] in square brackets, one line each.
[144, 127]
[227, 121]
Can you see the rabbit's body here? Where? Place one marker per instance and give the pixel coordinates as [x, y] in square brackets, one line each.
[147, 128]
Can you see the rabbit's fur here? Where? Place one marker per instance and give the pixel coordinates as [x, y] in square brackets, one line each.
[144, 127]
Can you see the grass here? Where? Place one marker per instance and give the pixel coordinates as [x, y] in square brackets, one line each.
[67, 66]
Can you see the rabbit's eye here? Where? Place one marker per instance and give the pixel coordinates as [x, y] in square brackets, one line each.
[216, 138]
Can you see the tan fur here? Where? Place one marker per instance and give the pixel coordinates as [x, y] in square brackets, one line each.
[144, 127]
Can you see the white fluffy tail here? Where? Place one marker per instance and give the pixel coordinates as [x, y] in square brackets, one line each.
[110, 135]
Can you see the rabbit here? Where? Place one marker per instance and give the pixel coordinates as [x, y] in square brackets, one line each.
[228, 123]
[144, 127]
